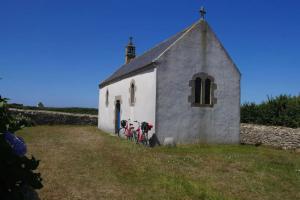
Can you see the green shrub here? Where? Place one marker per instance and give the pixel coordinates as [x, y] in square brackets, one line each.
[17, 178]
[283, 110]
[10, 122]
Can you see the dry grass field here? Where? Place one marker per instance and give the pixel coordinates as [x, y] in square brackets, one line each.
[81, 162]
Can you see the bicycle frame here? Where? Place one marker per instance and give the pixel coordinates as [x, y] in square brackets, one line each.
[129, 130]
[142, 137]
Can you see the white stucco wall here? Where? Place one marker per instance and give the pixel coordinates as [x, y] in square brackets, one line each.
[145, 101]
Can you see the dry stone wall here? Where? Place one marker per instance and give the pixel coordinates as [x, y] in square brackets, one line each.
[275, 136]
[57, 118]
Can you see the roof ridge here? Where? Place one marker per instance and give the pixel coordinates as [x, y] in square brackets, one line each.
[186, 31]
[166, 40]
[157, 45]
[147, 57]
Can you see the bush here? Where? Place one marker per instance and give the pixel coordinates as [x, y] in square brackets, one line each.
[9, 122]
[283, 110]
[40, 105]
[17, 177]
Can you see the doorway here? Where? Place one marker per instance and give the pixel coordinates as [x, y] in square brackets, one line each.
[117, 116]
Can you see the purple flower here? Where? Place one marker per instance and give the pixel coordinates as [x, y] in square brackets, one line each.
[17, 143]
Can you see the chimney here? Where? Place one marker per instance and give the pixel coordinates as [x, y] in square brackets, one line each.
[130, 51]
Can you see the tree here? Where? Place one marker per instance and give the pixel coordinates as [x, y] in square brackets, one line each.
[40, 105]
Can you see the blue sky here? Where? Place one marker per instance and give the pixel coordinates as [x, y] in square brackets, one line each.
[57, 51]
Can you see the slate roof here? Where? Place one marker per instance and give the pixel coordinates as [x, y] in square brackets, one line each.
[142, 61]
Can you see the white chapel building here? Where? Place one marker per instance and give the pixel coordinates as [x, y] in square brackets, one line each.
[188, 87]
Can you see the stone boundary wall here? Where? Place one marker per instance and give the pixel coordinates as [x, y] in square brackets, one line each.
[275, 136]
[41, 117]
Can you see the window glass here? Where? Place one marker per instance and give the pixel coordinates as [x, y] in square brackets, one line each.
[207, 96]
[198, 85]
[132, 93]
[106, 97]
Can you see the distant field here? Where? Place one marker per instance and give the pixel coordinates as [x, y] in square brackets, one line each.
[75, 110]
[81, 162]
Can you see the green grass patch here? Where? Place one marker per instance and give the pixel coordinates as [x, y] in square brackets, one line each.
[81, 162]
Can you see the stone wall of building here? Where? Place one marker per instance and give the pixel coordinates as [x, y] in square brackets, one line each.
[197, 51]
[57, 118]
[275, 136]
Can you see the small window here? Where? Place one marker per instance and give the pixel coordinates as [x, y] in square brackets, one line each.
[198, 85]
[132, 91]
[106, 97]
[202, 93]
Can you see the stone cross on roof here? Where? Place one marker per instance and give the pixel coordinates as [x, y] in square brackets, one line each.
[130, 40]
[202, 12]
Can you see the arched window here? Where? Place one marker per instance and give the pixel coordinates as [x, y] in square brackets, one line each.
[106, 98]
[132, 93]
[202, 93]
[132, 90]
[198, 88]
[207, 96]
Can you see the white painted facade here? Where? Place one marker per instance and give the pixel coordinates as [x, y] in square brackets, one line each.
[143, 108]
[165, 94]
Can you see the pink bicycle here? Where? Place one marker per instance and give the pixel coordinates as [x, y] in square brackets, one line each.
[141, 133]
[126, 129]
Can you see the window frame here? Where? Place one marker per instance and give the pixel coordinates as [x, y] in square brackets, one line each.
[132, 93]
[192, 83]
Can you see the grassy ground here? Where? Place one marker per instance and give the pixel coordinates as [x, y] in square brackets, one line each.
[83, 163]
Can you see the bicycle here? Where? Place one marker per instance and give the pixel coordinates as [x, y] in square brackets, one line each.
[126, 129]
[142, 132]
[138, 133]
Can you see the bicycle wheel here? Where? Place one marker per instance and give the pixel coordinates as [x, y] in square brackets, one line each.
[121, 132]
[135, 137]
[145, 140]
